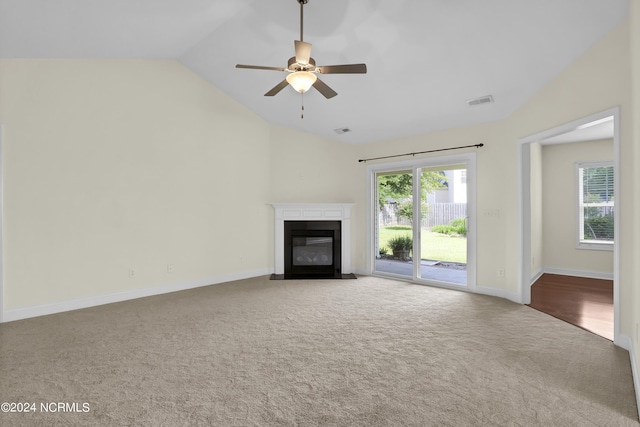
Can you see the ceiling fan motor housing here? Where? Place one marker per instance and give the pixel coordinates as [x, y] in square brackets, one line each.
[295, 66]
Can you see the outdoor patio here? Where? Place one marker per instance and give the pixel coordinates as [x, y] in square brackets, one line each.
[428, 270]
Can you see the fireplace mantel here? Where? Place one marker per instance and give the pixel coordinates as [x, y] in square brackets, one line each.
[313, 212]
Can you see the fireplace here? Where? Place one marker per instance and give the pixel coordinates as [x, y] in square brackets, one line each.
[312, 241]
[312, 249]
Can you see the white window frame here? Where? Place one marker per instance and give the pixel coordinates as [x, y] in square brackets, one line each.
[581, 243]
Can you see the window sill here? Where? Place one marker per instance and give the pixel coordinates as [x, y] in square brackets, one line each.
[595, 246]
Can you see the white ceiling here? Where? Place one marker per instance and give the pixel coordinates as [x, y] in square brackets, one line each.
[425, 58]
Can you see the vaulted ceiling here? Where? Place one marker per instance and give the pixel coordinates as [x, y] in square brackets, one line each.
[425, 58]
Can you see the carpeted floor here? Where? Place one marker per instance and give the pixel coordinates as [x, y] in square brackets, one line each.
[366, 352]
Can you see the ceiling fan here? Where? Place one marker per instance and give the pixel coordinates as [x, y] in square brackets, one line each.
[302, 68]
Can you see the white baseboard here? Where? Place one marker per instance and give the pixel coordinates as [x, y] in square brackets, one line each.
[79, 303]
[636, 378]
[536, 277]
[624, 341]
[501, 293]
[360, 272]
[579, 273]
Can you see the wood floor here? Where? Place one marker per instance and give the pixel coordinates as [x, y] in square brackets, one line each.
[587, 303]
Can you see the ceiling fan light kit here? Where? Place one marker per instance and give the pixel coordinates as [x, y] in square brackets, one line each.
[301, 81]
[303, 73]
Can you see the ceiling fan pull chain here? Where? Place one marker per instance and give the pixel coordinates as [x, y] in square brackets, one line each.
[302, 105]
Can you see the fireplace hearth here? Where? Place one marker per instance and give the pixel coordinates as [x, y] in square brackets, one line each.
[312, 241]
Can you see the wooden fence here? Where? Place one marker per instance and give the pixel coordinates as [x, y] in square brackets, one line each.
[444, 213]
[438, 214]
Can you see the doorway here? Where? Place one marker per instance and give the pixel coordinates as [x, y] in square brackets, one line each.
[422, 216]
[531, 265]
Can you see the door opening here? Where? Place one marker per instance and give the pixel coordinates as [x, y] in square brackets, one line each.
[531, 263]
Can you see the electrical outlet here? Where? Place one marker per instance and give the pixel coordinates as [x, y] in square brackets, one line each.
[241, 260]
[501, 272]
[169, 268]
[132, 273]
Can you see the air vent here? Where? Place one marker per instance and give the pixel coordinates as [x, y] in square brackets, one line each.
[342, 130]
[482, 100]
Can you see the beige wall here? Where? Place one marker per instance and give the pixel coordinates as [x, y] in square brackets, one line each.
[559, 201]
[310, 169]
[114, 165]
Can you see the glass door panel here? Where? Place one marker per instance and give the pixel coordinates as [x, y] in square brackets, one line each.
[393, 223]
[441, 248]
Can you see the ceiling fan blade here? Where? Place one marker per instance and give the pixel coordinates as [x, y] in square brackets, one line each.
[277, 88]
[342, 69]
[324, 89]
[303, 52]
[260, 67]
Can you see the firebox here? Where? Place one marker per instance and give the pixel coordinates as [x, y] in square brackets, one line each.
[312, 249]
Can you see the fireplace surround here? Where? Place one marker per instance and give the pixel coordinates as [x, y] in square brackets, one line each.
[312, 241]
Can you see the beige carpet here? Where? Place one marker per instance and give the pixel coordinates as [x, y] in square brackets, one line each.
[366, 352]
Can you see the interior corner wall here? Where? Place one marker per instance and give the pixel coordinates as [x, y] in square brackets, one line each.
[121, 175]
[310, 169]
[560, 214]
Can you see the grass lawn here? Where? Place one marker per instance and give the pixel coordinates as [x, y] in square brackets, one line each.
[434, 246]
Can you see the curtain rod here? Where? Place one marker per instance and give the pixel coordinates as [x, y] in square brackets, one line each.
[421, 152]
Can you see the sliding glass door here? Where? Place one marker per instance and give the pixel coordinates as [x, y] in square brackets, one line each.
[422, 216]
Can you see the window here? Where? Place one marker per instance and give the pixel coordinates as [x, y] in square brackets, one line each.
[595, 205]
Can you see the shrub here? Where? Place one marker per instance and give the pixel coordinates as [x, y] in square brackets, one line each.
[401, 243]
[599, 228]
[457, 226]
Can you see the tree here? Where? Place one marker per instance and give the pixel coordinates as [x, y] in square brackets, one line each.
[405, 210]
[400, 185]
[396, 187]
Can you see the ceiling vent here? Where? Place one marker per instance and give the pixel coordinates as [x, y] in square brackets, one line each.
[340, 131]
[482, 100]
